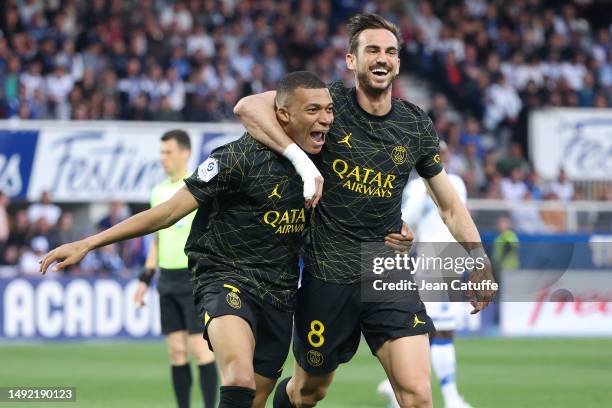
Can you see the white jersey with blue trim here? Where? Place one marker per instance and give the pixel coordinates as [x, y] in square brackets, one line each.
[421, 213]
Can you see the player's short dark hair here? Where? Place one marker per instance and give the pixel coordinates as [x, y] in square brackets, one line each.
[294, 80]
[181, 137]
[360, 22]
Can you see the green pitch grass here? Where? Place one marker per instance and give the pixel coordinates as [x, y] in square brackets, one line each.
[492, 373]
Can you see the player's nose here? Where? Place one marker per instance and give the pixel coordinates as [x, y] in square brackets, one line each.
[326, 118]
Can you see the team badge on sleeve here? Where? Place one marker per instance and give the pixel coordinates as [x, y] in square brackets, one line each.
[208, 169]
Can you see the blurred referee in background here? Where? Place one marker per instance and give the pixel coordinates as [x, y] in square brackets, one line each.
[179, 319]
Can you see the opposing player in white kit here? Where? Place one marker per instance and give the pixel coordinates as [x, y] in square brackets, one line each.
[421, 214]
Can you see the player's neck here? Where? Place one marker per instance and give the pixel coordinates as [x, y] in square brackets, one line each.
[177, 175]
[377, 104]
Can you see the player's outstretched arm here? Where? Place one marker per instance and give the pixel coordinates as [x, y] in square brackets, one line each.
[154, 219]
[460, 224]
[256, 113]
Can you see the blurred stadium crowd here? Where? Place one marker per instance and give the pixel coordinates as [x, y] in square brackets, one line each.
[34, 230]
[487, 63]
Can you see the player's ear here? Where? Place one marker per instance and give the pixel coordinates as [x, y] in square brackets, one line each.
[282, 114]
[350, 62]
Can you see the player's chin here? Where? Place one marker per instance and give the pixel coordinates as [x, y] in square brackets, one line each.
[312, 148]
[380, 85]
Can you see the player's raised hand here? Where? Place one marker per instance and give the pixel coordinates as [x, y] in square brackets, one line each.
[318, 192]
[482, 286]
[65, 255]
[311, 176]
[400, 242]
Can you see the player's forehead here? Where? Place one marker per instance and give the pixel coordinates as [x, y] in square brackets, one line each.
[170, 144]
[378, 37]
[316, 96]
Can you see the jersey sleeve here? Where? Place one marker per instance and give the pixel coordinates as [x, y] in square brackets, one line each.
[221, 173]
[429, 163]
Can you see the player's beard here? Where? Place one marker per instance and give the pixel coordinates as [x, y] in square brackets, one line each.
[365, 82]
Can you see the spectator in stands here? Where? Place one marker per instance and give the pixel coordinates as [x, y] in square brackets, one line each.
[428, 24]
[503, 104]
[514, 159]
[58, 85]
[474, 173]
[554, 215]
[32, 79]
[41, 228]
[5, 228]
[165, 112]
[586, 95]
[105, 260]
[11, 256]
[19, 236]
[534, 184]
[562, 188]
[28, 262]
[243, 62]
[140, 109]
[110, 261]
[64, 231]
[117, 213]
[44, 209]
[176, 90]
[526, 215]
[439, 108]
[513, 188]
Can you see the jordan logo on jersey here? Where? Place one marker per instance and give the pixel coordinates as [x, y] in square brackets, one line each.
[346, 140]
[275, 193]
[417, 322]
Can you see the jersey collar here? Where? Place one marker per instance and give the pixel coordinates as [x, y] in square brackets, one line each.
[369, 116]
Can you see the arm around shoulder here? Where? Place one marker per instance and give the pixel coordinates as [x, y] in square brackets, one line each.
[256, 113]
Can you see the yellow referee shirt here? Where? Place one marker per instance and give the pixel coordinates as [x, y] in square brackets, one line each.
[171, 241]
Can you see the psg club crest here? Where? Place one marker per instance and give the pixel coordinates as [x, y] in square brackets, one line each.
[233, 300]
[315, 358]
[399, 155]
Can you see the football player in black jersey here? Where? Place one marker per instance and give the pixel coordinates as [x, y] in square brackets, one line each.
[374, 143]
[244, 260]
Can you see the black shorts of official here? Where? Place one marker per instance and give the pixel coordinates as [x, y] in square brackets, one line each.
[330, 318]
[176, 303]
[271, 326]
